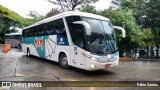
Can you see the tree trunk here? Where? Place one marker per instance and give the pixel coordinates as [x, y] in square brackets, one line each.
[157, 52]
[2, 37]
[147, 52]
[152, 52]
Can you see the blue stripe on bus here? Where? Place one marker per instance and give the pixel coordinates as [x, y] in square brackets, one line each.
[40, 49]
[116, 54]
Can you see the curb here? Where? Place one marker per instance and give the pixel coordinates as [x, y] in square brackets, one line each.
[130, 59]
[124, 59]
[148, 59]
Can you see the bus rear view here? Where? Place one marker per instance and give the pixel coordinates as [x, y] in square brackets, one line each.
[14, 39]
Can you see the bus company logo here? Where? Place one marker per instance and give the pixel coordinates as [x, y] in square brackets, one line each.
[61, 41]
[38, 42]
[6, 84]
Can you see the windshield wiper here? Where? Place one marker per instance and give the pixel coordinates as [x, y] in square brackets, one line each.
[101, 52]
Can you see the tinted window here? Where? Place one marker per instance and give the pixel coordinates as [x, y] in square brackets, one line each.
[50, 28]
[76, 30]
[13, 36]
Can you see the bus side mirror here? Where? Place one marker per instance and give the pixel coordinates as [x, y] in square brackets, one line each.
[122, 29]
[86, 26]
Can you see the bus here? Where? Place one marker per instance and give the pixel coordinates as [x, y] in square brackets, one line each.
[14, 39]
[78, 39]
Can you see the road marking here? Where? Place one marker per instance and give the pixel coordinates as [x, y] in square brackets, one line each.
[25, 74]
[1, 88]
[68, 80]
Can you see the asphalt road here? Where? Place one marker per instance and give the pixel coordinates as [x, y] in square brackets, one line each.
[16, 66]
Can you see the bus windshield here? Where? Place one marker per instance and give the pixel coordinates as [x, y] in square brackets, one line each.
[13, 36]
[102, 39]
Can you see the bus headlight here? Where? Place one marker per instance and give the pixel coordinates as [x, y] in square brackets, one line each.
[93, 58]
[93, 66]
[113, 59]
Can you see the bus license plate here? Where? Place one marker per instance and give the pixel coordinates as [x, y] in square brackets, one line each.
[107, 65]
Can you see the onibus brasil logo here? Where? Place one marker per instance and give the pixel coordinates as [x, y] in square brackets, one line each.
[38, 42]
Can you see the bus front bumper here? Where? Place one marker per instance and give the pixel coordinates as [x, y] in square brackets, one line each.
[95, 65]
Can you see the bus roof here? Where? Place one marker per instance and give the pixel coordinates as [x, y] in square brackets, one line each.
[14, 34]
[69, 13]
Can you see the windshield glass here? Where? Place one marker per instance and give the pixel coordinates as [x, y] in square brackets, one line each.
[102, 39]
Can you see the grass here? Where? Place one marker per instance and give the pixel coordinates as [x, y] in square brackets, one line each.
[1, 44]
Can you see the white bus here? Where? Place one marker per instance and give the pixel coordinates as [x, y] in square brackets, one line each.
[14, 39]
[83, 40]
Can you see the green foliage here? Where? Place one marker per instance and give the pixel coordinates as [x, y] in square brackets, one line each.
[152, 18]
[148, 38]
[71, 5]
[1, 39]
[13, 18]
[10, 19]
[147, 16]
[35, 16]
[124, 18]
[53, 12]
[89, 9]
[146, 12]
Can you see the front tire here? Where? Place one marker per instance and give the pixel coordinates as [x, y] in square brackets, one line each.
[28, 52]
[63, 61]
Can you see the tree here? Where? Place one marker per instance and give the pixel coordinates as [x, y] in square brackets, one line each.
[125, 19]
[147, 15]
[89, 9]
[70, 5]
[9, 21]
[6, 21]
[152, 21]
[148, 40]
[53, 12]
[35, 16]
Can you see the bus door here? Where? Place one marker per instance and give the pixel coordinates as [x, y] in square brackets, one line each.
[77, 49]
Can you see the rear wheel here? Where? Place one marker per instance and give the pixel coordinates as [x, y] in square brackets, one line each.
[19, 46]
[28, 52]
[63, 61]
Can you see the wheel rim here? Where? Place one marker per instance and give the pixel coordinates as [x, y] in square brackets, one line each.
[64, 61]
[28, 53]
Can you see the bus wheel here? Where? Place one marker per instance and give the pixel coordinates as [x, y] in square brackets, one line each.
[19, 46]
[28, 52]
[63, 61]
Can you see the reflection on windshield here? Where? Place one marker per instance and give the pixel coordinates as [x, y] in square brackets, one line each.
[102, 39]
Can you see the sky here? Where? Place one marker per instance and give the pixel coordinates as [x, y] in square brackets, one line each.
[22, 7]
